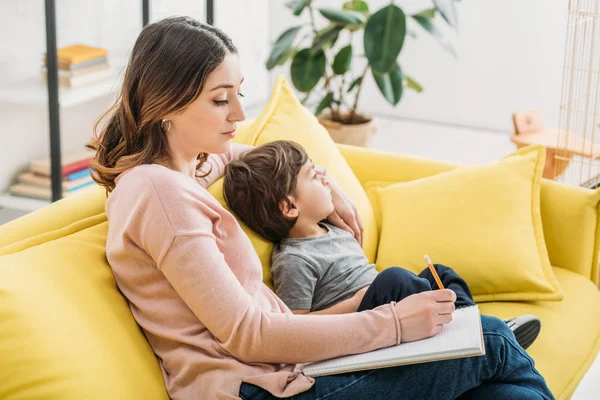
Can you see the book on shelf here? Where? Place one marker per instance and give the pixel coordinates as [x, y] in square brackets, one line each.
[33, 179]
[72, 162]
[79, 71]
[462, 337]
[83, 65]
[73, 176]
[82, 79]
[39, 192]
[78, 54]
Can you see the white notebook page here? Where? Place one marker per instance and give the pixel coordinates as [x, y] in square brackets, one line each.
[462, 337]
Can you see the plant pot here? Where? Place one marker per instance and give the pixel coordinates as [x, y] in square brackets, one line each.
[355, 134]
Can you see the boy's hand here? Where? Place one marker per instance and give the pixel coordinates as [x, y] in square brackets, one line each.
[345, 215]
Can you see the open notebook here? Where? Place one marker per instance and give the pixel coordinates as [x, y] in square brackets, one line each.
[462, 337]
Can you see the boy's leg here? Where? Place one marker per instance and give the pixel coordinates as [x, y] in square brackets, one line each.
[392, 284]
[526, 328]
[450, 280]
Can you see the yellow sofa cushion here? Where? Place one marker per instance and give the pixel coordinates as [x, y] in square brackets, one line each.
[67, 332]
[570, 337]
[285, 118]
[483, 221]
[573, 232]
[570, 214]
[26, 229]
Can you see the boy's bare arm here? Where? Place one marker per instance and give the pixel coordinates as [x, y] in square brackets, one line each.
[344, 307]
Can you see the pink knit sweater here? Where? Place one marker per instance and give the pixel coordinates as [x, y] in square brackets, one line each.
[194, 285]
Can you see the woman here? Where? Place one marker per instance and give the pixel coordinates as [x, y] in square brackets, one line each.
[192, 278]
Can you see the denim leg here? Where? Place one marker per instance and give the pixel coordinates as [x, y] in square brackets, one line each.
[498, 390]
[505, 372]
[392, 284]
[450, 280]
[395, 284]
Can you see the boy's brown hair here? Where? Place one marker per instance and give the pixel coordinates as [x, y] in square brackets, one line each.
[259, 180]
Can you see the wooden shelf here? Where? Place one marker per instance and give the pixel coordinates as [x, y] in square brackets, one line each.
[33, 91]
[569, 143]
[28, 204]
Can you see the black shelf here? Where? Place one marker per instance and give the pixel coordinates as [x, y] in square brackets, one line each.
[53, 102]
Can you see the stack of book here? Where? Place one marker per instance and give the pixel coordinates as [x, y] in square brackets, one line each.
[37, 182]
[80, 65]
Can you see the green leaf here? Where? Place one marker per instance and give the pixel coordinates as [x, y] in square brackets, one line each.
[448, 11]
[342, 60]
[429, 27]
[282, 47]
[360, 6]
[290, 54]
[412, 84]
[354, 83]
[307, 69]
[297, 6]
[384, 37]
[427, 13]
[345, 17]
[390, 84]
[326, 38]
[324, 103]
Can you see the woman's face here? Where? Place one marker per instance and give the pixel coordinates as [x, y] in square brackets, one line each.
[208, 123]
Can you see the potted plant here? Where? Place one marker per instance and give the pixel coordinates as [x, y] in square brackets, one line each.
[320, 64]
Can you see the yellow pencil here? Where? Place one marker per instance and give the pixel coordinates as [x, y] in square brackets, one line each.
[435, 275]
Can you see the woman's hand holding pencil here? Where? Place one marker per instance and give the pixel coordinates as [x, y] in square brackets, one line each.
[424, 314]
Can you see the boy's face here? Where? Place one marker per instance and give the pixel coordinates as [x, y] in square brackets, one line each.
[313, 196]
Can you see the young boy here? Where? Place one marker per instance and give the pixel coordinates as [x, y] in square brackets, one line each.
[318, 268]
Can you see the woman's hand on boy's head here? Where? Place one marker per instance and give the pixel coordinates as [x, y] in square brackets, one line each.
[345, 215]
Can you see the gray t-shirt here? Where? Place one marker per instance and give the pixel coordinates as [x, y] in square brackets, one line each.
[316, 273]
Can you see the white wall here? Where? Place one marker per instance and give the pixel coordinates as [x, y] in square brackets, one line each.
[510, 57]
[114, 24]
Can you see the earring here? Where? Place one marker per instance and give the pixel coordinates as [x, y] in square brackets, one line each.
[163, 125]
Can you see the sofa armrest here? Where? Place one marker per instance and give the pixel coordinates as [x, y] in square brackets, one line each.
[570, 215]
[374, 165]
[73, 209]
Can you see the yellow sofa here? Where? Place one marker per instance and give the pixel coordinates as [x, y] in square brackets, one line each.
[66, 331]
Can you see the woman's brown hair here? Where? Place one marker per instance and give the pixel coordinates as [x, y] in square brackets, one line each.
[167, 70]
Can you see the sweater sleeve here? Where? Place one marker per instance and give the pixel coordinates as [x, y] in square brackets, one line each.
[187, 253]
[216, 163]
[197, 270]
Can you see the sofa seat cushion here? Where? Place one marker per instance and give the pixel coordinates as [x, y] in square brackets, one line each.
[569, 340]
[66, 330]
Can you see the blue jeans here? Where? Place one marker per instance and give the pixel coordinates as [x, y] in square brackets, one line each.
[505, 372]
[395, 284]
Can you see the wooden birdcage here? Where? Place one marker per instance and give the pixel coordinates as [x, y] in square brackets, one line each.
[577, 149]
